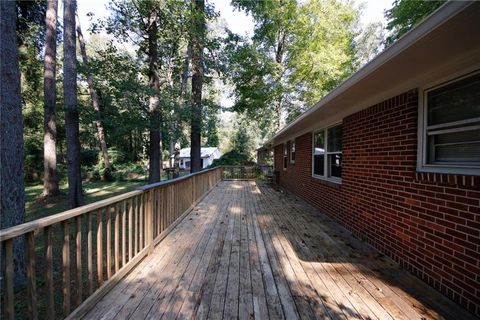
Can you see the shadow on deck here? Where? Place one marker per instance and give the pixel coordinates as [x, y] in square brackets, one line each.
[250, 251]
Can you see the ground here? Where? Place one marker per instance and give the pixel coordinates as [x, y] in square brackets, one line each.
[36, 207]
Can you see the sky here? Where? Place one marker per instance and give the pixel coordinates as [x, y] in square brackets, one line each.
[237, 21]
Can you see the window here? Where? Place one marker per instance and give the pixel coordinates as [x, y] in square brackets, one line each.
[451, 127]
[292, 151]
[327, 153]
[285, 156]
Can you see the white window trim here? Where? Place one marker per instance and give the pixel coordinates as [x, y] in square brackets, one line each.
[422, 165]
[326, 153]
[292, 161]
[285, 156]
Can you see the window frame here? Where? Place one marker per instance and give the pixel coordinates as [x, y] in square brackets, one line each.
[423, 129]
[285, 156]
[292, 151]
[326, 153]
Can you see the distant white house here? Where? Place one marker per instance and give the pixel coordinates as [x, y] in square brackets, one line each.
[208, 154]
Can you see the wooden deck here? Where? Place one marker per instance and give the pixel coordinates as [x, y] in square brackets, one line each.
[249, 251]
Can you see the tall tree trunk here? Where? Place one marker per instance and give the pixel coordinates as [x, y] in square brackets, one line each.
[175, 125]
[70, 99]
[155, 156]
[197, 38]
[95, 103]
[50, 178]
[279, 50]
[186, 67]
[12, 191]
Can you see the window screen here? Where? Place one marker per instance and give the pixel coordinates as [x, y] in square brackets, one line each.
[453, 123]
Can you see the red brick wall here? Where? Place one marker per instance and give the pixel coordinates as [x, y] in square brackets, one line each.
[429, 223]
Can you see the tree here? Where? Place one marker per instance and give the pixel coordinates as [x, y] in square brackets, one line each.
[157, 30]
[70, 100]
[155, 146]
[406, 14]
[197, 39]
[123, 101]
[12, 192]
[369, 42]
[322, 53]
[31, 34]
[95, 104]
[50, 178]
[274, 22]
[299, 52]
[242, 142]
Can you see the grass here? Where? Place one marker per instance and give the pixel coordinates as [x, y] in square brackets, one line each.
[38, 207]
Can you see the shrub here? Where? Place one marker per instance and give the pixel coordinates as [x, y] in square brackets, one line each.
[233, 158]
[114, 155]
[89, 157]
[33, 161]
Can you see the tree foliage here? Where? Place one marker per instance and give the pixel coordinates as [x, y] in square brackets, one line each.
[298, 53]
[406, 14]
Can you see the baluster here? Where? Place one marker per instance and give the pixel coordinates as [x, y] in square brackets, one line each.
[116, 235]
[90, 254]
[66, 267]
[150, 222]
[135, 248]
[109, 243]
[130, 227]
[99, 247]
[9, 296]
[158, 213]
[124, 234]
[48, 247]
[141, 219]
[164, 202]
[79, 260]
[164, 217]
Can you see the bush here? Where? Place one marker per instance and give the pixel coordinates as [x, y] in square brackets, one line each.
[89, 157]
[233, 158]
[165, 155]
[121, 172]
[33, 161]
[128, 171]
[115, 156]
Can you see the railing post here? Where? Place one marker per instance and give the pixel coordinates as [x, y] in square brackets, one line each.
[194, 189]
[9, 293]
[150, 220]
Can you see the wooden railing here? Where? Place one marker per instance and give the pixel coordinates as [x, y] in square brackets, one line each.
[65, 272]
[247, 172]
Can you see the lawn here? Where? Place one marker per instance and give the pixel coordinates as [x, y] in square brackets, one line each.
[37, 207]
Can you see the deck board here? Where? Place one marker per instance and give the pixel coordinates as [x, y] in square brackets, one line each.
[249, 251]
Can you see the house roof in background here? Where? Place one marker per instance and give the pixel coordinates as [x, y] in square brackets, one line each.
[442, 44]
[205, 152]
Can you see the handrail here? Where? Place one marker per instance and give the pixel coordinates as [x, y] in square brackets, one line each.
[253, 172]
[26, 227]
[119, 232]
[23, 228]
[175, 180]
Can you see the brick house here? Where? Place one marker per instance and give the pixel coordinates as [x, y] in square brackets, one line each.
[393, 153]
